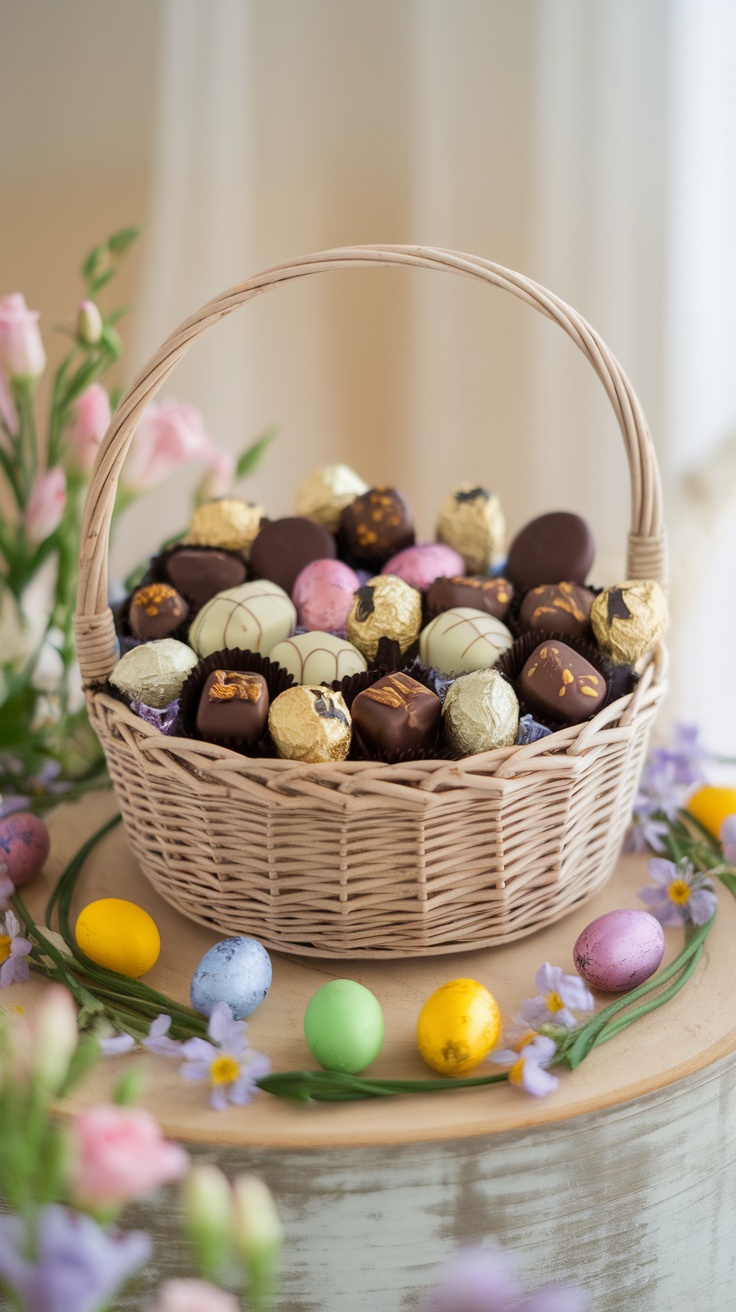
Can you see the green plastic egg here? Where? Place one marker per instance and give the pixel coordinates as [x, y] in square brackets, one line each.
[343, 1026]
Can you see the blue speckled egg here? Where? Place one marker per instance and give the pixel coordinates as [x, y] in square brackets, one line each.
[236, 971]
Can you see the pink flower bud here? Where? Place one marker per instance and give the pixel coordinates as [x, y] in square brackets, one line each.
[218, 479]
[8, 411]
[54, 1038]
[89, 422]
[21, 349]
[194, 1296]
[167, 436]
[45, 505]
[119, 1154]
[89, 323]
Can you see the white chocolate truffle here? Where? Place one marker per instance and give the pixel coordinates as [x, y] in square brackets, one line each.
[254, 616]
[154, 672]
[318, 657]
[463, 639]
[325, 493]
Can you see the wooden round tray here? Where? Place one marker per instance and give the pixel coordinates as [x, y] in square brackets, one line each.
[621, 1179]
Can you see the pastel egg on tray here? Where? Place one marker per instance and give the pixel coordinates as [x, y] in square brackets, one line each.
[420, 565]
[119, 936]
[344, 1026]
[254, 617]
[154, 672]
[323, 594]
[316, 657]
[24, 846]
[461, 640]
[619, 950]
[236, 971]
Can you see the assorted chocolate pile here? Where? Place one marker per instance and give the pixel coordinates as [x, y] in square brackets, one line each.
[332, 633]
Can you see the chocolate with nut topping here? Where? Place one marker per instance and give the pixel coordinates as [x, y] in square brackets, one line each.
[558, 608]
[377, 525]
[490, 595]
[233, 705]
[397, 715]
[559, 684]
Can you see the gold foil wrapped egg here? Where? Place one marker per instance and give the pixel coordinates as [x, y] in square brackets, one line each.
[384, 607]
[481, 712]
[154, 672]
[471, 520]
[325, 493]
[629, 619]
[310, 723]
[229, 523]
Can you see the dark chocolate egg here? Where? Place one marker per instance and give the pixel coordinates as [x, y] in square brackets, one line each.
[377, 525]
[551, 548]
[284, 546]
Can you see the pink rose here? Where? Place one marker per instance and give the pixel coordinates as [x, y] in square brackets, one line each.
[21, 349]
[90, 419]
[8, 412]
[194, 1296]
[45, 505]
[167, 436]
[120, 1154]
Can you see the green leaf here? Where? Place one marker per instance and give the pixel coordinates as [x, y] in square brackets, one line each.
[96, 284]
[128, 1088]
[251, 459]
[120, 241]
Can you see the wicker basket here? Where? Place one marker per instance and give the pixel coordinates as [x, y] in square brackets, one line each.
[361, 859]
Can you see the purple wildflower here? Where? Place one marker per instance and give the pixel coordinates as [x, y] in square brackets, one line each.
[158, 1041]
[228, 1063]
[557, 994]
[13, 952]
[114, 1045]
[681, 893]
[687, 756]
[485, 1280]
[527, 1063]
[7, 887]
[79, 1266]
[728, 839]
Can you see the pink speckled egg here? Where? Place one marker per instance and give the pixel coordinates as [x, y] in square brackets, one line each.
[619, 950]
[323, 595]
[24, 846]
[421, 565]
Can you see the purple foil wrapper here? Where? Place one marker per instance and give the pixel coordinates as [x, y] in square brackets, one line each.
[166, 721]
[530, 731]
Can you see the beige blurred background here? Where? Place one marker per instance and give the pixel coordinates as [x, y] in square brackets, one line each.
[587, 143]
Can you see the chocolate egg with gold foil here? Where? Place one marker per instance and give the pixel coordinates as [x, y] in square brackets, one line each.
[310, 723]
[229, 523]
[480, 713]
[154, 672]
[471, 520]
[629, 619]
[326, 492]
[384, 607]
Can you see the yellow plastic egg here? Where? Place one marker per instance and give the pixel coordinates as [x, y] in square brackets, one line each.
[711, 805]
[119, 936]
[457, 1027]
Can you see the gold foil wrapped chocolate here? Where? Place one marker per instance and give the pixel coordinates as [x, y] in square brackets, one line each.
[325, 493]
[310, 723]
[231, 524]
[384, 607]
[154, 672]
[481, 712]
[629, 619]
[471, 520]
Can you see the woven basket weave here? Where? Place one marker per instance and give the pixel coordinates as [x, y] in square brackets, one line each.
[361, 859]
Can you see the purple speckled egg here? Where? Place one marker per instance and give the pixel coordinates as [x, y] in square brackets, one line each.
[323, 595]
[24, 846]
[619, 950]
[421, 565]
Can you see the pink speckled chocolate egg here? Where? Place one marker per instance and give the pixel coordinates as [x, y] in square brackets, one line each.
[421, 565]
[323, 595]
[619, 950]
[24, 846]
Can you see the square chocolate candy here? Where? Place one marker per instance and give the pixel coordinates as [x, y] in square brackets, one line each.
[233, 706]
[397, 715]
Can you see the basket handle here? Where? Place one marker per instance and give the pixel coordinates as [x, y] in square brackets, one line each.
[647, 554]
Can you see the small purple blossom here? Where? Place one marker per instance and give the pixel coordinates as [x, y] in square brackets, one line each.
[557, 994]
[231, 1066]
[13, 952]
[667, 775]
[7, 887]
[114, 1045]
[728, 839]
[79, 1266]
[486, 1280]
[681, 894]
[158, 1041]
[527, 1064]
[687, 756]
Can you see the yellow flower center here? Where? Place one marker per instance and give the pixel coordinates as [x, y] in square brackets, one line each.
[224, 1070]
[554, 1002]
[5, 942]
[517, 1071]
[521, 1043]
[679, 892]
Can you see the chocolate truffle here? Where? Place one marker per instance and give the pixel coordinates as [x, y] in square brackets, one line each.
[463, 639]
[154, 672]
[254, 617]
[326, 492]
[421, 565]
[376, 525]
[199, 573]
[397, 715]
[318, 657]
[323, 595]
[471, 520]
[284, 546]
[490, 595]
[310, 724]
[384, 607]
[481, 712]
[629, 619]
[553, 547]
[558, 608]
[229, 523]
[559, 684]
[233, 705]
[156, 611]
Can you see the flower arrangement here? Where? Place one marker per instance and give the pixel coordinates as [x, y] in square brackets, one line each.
[47, 748]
